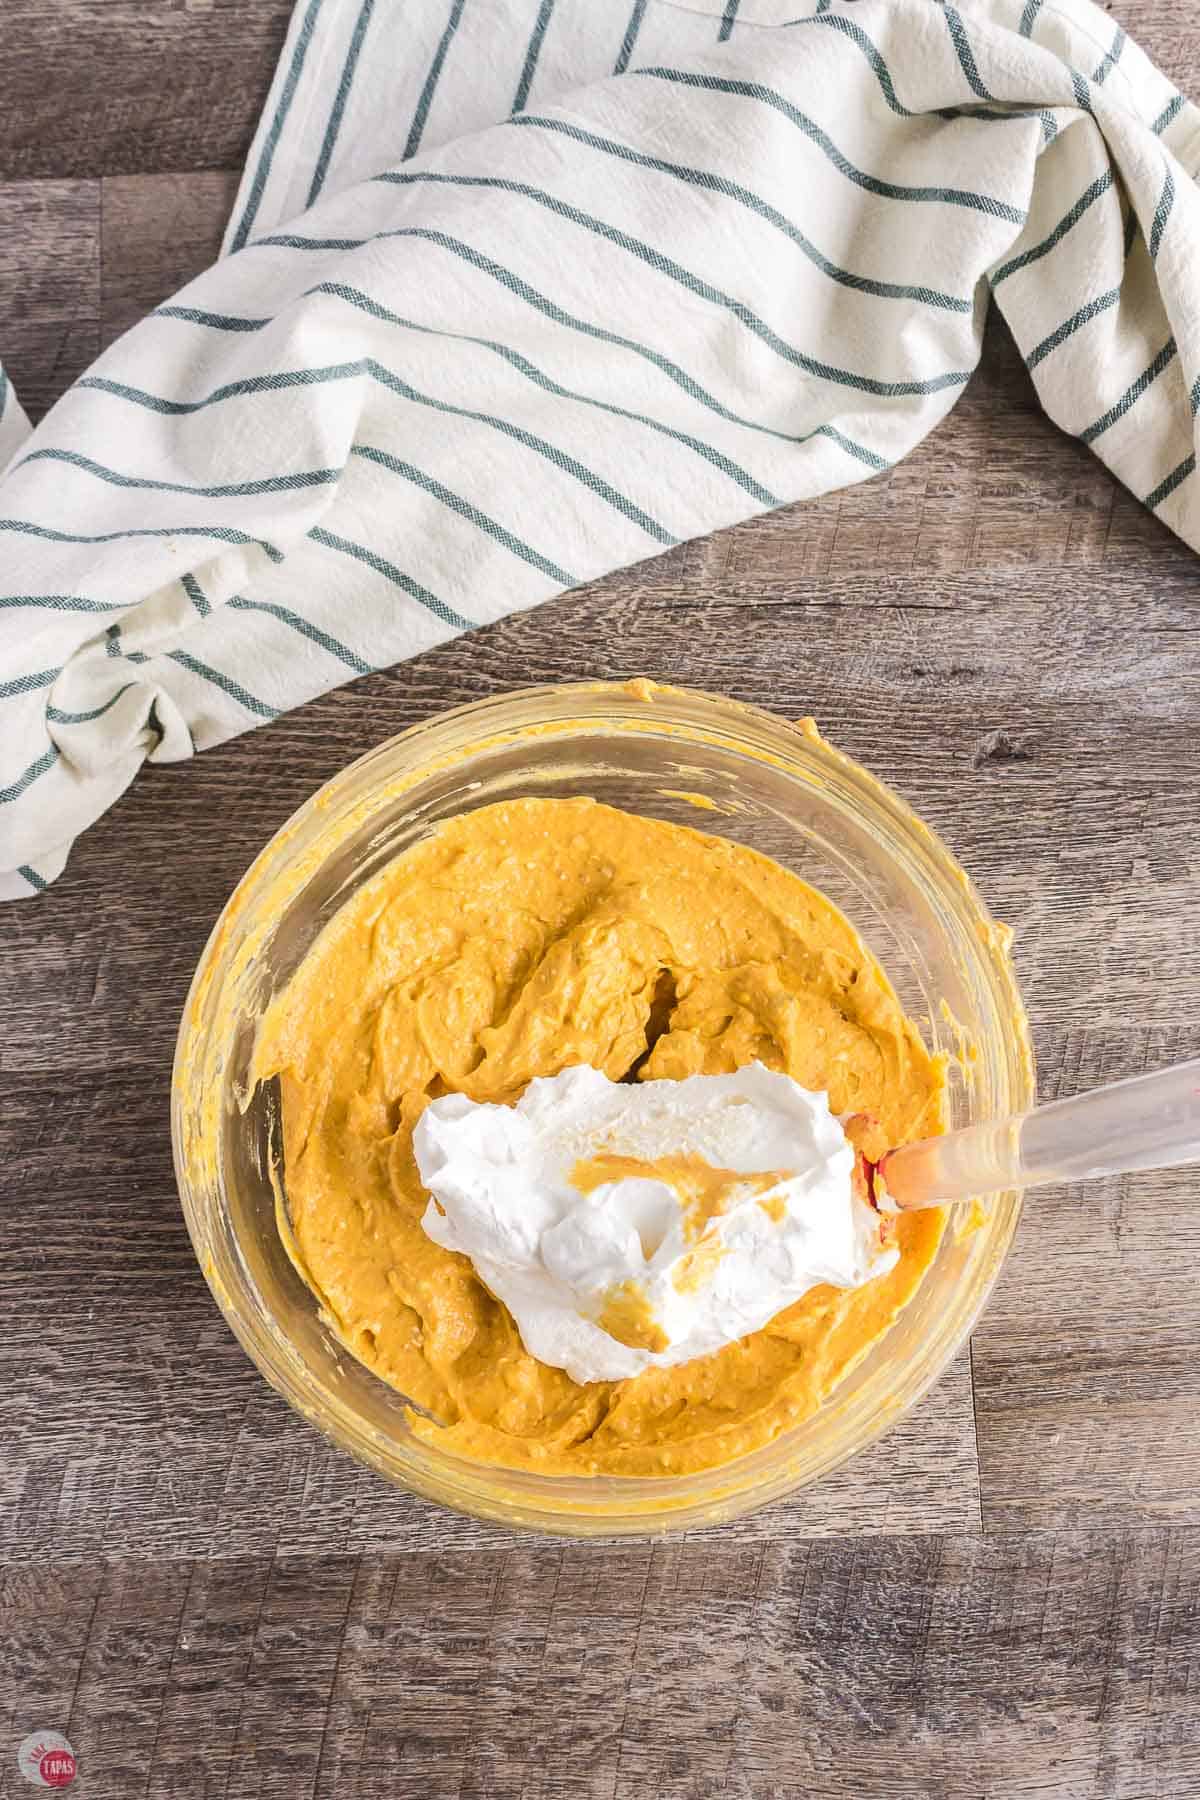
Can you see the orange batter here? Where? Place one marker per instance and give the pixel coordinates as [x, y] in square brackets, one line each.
[516, 941]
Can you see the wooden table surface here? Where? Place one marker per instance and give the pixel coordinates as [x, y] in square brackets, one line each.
[1002, 1598]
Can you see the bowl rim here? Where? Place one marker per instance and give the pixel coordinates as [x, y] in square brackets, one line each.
[601, 1506]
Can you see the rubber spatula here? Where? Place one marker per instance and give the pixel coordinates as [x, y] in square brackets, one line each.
[1149, 1122]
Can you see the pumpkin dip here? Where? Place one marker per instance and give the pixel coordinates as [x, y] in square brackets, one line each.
[517, 941]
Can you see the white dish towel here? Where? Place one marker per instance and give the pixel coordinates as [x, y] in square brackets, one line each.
[518, 291]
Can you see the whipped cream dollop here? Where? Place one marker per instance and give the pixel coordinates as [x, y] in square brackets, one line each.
[628, 1227]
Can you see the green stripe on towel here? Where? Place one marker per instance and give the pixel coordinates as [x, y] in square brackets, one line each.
[332, 541]
[275, 129]
[267, 484]
[1132, 393]
[225, 534]
[630, 38]
[29, 684]
[420, 117]
[60, 717]
[873, 184]
[306, 629]
[340, 99]
[1070, 326]
[1070, 218]
[226, 683]
[1170, 482]
[964, 53]
[532, 54]
[465, 510]
[28, 776]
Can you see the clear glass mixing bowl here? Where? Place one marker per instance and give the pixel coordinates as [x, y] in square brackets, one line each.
[776, 787]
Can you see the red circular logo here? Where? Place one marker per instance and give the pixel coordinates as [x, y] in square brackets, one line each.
[46, 1759]
[57, 1768]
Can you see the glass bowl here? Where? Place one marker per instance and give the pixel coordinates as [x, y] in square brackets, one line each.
[662, 752]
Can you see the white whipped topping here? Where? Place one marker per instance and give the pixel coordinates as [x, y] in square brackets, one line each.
[561, 1259]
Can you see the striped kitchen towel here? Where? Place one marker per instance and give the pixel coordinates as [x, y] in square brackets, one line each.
[518, 291]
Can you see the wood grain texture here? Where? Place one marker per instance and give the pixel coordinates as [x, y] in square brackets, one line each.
[49, 285]
[159, 232]
[1063, 1666]
[1000, 1601]
[1087, 1386]
[133, 87]
[1166, 31]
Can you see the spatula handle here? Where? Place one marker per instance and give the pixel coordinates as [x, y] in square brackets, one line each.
[1149, 1122]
